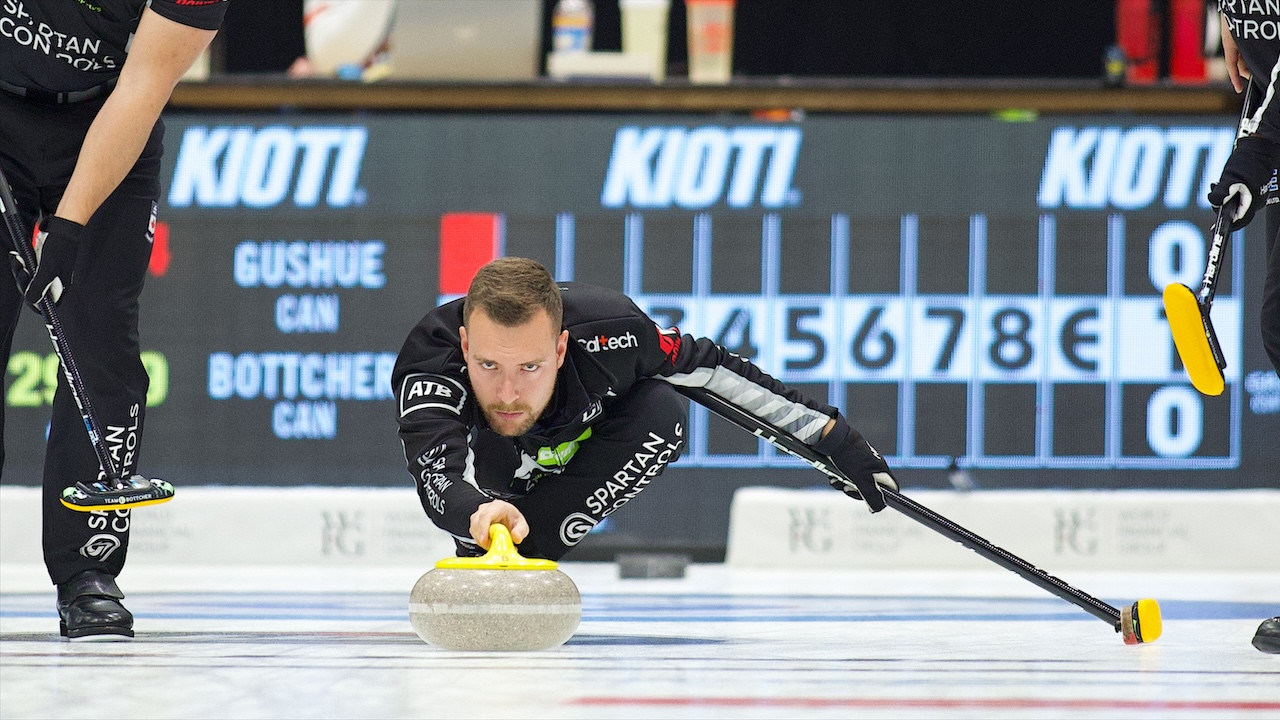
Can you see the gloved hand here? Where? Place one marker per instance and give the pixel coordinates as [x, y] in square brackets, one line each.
[855, 457]
[57, 245]
[1249, 174]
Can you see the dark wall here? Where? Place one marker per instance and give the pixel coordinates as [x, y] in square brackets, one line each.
[911, 38]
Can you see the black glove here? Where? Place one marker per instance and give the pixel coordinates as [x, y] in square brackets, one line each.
[854, 456]
[1249, 175]
[56, 247]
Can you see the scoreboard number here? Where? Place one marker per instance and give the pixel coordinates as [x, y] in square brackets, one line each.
[1115, 345]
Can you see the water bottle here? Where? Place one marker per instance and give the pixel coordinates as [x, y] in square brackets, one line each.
[1114, 66]
[572, 25]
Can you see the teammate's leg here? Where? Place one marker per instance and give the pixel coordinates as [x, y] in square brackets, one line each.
[10, 297]
[10, 310]
[84, 552]
[1271, 289]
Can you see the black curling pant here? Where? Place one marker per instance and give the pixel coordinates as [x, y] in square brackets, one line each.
[641, 433]
[1271, 288]
[39, 145]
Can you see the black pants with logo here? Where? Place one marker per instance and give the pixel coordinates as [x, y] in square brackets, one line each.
[1271, 288]
[640, 434]
[39, 145]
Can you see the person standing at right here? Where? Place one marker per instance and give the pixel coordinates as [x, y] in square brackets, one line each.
[1251, 46]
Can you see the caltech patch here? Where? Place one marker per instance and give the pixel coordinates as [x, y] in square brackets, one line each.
[422, 391]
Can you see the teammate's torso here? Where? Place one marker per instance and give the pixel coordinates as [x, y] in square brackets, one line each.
[69, 45]
[65, 45]
[1255, 26]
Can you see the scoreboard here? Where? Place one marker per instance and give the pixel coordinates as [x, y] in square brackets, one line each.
[972, 292]
[1026, 364]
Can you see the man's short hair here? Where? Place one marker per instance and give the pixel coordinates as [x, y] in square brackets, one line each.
[510, 290]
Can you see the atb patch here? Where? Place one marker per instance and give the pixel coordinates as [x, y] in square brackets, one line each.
[423, 391]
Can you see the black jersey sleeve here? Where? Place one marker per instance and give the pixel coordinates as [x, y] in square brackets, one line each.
[203, 14]
[682, 359]
[434, 413]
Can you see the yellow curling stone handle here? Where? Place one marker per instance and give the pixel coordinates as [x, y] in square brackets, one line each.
[502, 555]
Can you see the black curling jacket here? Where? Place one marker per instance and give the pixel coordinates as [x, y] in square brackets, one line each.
[612, 345]
[1255, 26]
[71, 45]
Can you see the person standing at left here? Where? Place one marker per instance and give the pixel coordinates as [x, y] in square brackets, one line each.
[82, 85]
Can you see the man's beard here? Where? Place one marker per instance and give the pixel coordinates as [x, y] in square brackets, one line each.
[500, 425]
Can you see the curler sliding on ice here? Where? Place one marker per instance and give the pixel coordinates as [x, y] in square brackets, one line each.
[545, 407]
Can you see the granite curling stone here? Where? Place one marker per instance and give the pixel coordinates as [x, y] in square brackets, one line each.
[499, 602]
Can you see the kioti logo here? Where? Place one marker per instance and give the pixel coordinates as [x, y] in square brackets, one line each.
[662, 167]
[600, 343]
[223, 167]
[1132, 168]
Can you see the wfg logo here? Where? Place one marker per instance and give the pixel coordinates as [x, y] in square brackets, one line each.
[222, 167]
[661, 167]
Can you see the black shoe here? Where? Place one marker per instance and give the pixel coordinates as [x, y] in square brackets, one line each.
[89, 607]
[1267, 638]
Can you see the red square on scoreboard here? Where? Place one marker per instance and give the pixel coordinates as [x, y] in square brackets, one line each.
[467, 242]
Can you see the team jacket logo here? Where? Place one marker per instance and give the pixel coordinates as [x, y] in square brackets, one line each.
[100, 546]
[1132, 168]
[575, 527]
[593, 411]
[420, 391]
[222, 167]
[669, 341]
[661, 167]
[601, 343]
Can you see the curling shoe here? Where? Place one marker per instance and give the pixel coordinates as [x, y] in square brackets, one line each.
[89, 608]
[1267, 639]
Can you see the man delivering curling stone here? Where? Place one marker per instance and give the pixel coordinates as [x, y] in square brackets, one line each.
[546, 407]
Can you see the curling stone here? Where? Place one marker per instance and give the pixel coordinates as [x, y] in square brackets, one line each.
[501, 601]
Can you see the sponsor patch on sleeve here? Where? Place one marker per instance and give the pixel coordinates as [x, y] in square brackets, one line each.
[669, 341]
[423, 391]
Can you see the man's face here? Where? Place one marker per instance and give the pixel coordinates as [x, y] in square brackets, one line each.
[513, 369]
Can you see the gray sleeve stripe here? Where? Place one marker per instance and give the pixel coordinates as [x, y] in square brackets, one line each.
[469, 469]
[697, 378]
[799, 420]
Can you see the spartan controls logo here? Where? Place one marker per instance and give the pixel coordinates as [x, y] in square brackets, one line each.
[224, 167]
[575, 527]
[663, 167]
[1133, 168]
[100, 546]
